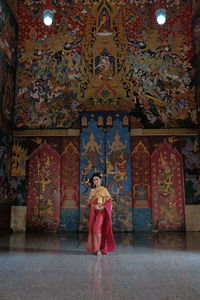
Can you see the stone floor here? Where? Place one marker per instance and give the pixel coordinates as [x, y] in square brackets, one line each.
[147, 266]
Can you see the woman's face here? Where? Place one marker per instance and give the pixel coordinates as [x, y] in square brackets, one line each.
[97, 181]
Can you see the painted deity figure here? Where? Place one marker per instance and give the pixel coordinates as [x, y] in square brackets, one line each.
[118, 157]
[92, 149]
[104, 68]
[117, 145]
[104, 23]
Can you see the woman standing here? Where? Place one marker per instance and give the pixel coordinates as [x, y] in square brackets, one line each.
[100, 235]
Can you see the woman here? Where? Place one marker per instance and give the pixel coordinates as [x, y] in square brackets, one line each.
[100, 236]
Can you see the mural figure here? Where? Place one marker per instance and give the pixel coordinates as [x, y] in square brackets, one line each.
[19, 157]
[192, 157]
[104, 68]
[44, 208]
[44, 174]
[120, 167]
[165, 179]
[104, 23]
[117, 146]
[167, 197]
[92, 149]
[117, 163]
[44, 188]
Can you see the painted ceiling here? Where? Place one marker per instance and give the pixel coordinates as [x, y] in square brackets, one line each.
[105, 55]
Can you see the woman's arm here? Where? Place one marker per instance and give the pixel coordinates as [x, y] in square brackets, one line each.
[90, 198]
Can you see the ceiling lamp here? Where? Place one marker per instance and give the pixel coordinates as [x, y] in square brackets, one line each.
[48, 13]
[161, 16]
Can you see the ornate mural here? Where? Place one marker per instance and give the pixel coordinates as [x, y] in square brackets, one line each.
[167, 188]
[105, 55]
[70, 202]
[8, 45]
[13, 169]
[196, 56]
[191, 155]
[141, 184]
[6, 191]
[70, 172]
[44, 189]
[141, 172]
[103, 60]
[19, 170]
[53, 182]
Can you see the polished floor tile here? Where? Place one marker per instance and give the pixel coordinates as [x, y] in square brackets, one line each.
[149, 266]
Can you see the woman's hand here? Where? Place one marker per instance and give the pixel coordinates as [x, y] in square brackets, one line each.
[88, 203]
[98, 206]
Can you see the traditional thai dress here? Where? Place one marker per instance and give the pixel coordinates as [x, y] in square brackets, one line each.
[100, 235]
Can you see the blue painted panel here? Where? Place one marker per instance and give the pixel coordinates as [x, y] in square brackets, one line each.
[119, 173]
[92, 152]
[105, 147]
[69, 221]
[190, 150]
[92, 159]
[142, 219]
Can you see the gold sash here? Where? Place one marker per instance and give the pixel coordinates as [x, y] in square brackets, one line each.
[101, 194]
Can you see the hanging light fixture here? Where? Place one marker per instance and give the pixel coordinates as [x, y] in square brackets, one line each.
[161, 16]
[48, 13]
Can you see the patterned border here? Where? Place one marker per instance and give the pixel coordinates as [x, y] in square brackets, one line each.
[134, 132]
[178, 131]
[62, 132]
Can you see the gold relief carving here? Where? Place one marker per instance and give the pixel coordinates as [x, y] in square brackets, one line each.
[100, 121]
[19, 157]
[57, 132]
[125, 120]
[140, 148]
[84, 121]
[177, 131]
[43, 173]
[76, 132]
[109, 121]
[172, 139]
[70, 147]
[38, 141]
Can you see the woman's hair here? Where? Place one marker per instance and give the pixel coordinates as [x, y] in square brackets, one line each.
[96, 174]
